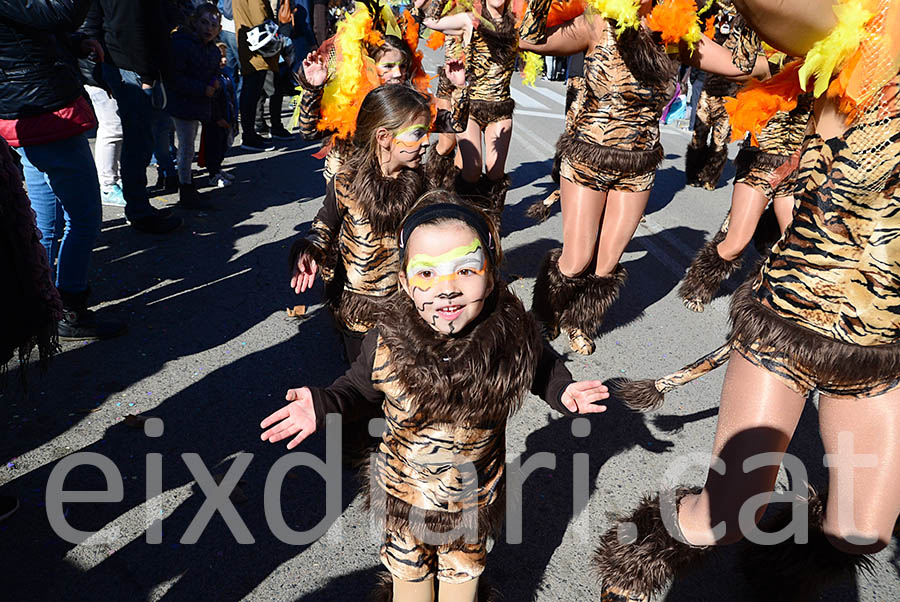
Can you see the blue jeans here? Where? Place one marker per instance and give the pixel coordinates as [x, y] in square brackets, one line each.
[163, 151]
[65, 195]
[232, 64]
[136, 113]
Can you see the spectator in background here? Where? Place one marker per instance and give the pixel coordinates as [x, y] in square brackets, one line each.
[136, 37]
[44, 116]
[219, 132]
[228, 37]
[247, 15]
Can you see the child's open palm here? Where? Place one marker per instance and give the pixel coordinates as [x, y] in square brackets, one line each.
[582, 396]
[304, 273]
[315, 68]
[296, 418]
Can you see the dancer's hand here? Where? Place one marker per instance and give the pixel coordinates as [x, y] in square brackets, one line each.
[315, 68]
[582, 396]
[296, 418]
[455, 71]
[304, 273]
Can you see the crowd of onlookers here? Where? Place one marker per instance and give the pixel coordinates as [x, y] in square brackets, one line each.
[150, 78]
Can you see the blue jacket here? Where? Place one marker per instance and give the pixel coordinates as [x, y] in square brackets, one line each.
[195, 66]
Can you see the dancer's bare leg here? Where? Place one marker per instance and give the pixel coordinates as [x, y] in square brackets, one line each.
[497, 136]
[620, 221]
[459, 592]
[863, 501]
[445, 142]
[414, 591]
[582, 210]
[747, 206]
[784, 211]
[758, 414]
[470, 151]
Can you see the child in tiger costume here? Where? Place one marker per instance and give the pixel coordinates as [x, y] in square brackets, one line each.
[609, 154]
[450, 360]
[822, 314]
[395, 62]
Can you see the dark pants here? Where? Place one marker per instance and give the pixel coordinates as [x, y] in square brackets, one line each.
[215, 145]
[250, 93]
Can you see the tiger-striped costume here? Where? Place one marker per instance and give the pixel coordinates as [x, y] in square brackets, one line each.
[438, 479]
[454, 120]
[824, 311]
[707, 153]
[353, 239]
[612, 141]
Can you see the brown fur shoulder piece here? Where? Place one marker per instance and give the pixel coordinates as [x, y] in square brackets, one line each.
[608, 158]
[645, 58]
[352, 308]
[502, 41]
[478, 377]
[384, 200]
[831, 361]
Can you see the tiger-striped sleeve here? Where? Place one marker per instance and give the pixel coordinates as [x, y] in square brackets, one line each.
[322, 237]
[350, 394]
[457, 118]
[310, 104]
[533, 27]
[435, 8]
[744, 45]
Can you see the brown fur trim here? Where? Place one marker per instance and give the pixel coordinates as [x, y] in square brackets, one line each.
[502, 41]
[707, 272]
[475, 377]
[799, 572]
[553, 291]
[753, 158]
[554, 171]
[384, 200]
[440, 170]
[489, 111]
[486, 194]
[832, 361]
[694, 159]
[384, 588]
[713, 166]
[591, 302]
[646, 565]
[353, 308]
[540, 210]
[608, 158]
[487, 592]
[645, 58]
[638, 395]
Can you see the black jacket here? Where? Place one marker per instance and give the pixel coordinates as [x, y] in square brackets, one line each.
[135, 34]
[195, 66]
[36, 70]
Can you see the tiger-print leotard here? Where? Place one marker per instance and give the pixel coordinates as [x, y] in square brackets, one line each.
[824, 310]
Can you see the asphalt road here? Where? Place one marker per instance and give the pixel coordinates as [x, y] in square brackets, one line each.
[210, 352]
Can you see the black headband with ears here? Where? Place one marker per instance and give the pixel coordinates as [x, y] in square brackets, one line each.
[462, 213]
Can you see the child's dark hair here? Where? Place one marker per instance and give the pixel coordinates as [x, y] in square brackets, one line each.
[389, 107]
[206, 8]
[443, 202]
[394, 43]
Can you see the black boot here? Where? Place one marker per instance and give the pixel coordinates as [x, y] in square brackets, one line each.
[189, 198]
[81, 324]
[641, 567]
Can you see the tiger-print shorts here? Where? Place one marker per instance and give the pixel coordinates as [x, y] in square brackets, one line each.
[602, 180]
[409, 559]
[759, 174]
[801, 380]
[486, 112]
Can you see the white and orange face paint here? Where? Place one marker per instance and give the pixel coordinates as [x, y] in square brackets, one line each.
[447, 276]
[409, 144]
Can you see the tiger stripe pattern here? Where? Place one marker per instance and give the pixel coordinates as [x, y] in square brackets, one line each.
[836, 271]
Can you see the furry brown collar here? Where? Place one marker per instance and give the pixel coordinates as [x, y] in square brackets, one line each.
[478, 377]
[384, 200]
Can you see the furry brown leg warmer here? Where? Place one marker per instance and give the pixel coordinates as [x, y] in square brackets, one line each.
[589, 304]
[798, 572]
[707, 273]
[713, 166]
[440, 170]
[640, 555]
[486, 194]
[694, 159]
[553, 291]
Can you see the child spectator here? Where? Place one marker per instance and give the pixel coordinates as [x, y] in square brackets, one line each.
[219, 132]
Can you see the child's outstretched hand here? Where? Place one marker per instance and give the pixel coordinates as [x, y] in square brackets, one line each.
[315, 68]
[296, 418]
[582, 396]
[304, 273]
[455, 70]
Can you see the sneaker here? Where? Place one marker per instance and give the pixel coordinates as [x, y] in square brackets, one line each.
[161, 222]
[219, 181]
[189, 198]
[227, 176]
[8, 505]
[112, 196]
[281, 133]
[78, 323]
[256, 144]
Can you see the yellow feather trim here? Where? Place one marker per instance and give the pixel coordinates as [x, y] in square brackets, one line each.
[534, 63]
[623, 12]
[828, 54]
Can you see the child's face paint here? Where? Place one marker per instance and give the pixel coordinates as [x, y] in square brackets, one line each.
[446, 276]
[410, 143]
[389, 67]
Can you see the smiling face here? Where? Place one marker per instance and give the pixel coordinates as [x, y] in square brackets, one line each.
[446, 275]
[389, 66]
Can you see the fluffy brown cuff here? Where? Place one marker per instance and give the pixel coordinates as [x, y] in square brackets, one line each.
[832, 361]
[707, 273]
[440, 170]
[590, 303]
[489, 111]
[713, 166]
[608, 158]
[354, 311]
